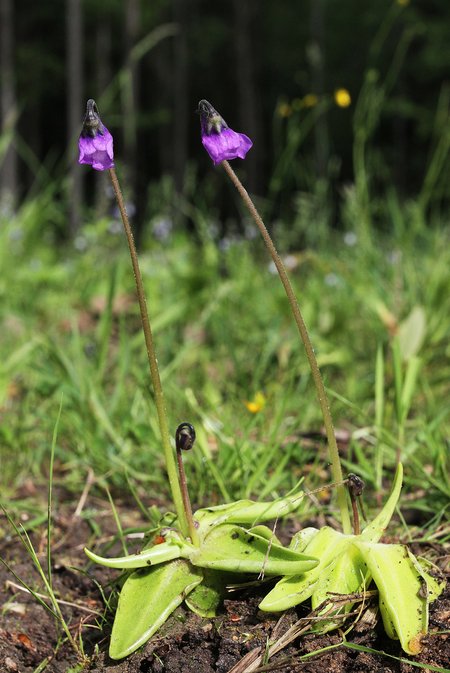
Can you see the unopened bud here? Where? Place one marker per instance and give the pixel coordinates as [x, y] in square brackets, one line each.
[185, 437]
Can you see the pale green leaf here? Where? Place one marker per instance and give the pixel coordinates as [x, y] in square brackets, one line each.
[347, 574]
[374, 531]
[409, 385]
[247, 512]
[411, 333]
[147, 599]
[300, 540]
[148, 557]
[431, 575]
[403, 606]
[267, 533]
[290, 591]
[207, 596]
[234, 549]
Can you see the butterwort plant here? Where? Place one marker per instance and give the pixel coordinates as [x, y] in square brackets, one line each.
[351, 560]
[195, 559]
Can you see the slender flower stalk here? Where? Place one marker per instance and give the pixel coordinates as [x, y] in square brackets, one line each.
[355, 487]
[213, 129]
[152, 360]
[336, 469]
[96, 149]
[184, 441]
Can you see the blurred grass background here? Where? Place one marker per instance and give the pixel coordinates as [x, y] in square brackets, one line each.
[378, 311]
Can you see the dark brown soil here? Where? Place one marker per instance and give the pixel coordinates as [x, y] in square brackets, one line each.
[187, 643]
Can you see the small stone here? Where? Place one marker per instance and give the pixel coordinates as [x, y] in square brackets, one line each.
[11, 665]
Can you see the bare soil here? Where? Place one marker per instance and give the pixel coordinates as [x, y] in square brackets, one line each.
[30, 638]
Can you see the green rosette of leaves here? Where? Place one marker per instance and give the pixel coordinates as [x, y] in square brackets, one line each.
[347, 566]
[232, 544]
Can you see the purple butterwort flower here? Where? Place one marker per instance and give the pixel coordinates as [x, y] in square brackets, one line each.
[221, 142]
[96, 142]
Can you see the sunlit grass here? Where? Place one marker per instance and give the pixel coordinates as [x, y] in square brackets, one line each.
[223, 332]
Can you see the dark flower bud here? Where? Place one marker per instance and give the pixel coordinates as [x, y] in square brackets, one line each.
[210, 119]
[91, 123]
[185, 437]
[355, 484]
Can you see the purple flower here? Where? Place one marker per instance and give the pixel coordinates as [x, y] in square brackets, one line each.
[221, 142]
[96, 142]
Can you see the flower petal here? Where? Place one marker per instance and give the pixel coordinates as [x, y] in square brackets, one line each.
[226, 145]
[97, 151]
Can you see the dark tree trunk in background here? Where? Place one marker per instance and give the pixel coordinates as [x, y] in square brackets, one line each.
[130, 97]
[75, 102]
[103, 72]
[249, 118]
[8, 106]
[316, 57]
[162, 63]
[103, 78]
[180, 90]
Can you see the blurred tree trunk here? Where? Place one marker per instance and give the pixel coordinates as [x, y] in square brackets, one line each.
[74, 46]
[130, 99]
[103, 78]
[8, 106]
[316, 57]
[245, 12]
[180, 89]
[162, 63]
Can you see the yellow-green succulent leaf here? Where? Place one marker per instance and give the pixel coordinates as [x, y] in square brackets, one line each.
[247, 512]
[205, 599]
[291, 591]
[434, 580]
[148, 557]
[265, 532]
[374, 530]
[388, 623]
[403, 605]
[300, 540]
[147, 599]
[323, 543]
[346, 573]
[234, 549]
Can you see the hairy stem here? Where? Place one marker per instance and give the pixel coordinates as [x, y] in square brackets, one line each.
[336, 470]
[356, 524]
[154, 371]
[186, 500]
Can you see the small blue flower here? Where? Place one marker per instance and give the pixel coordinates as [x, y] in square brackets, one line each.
[221, 142]
[96, 142]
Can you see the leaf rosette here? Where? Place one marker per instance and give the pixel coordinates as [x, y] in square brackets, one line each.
[348, 564]
[231, 543]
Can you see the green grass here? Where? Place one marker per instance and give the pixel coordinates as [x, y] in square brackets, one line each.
[223, 331]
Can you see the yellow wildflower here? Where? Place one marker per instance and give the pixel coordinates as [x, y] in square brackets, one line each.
[284, 110]
[310, 100]
[257, 403]
[342, 97]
